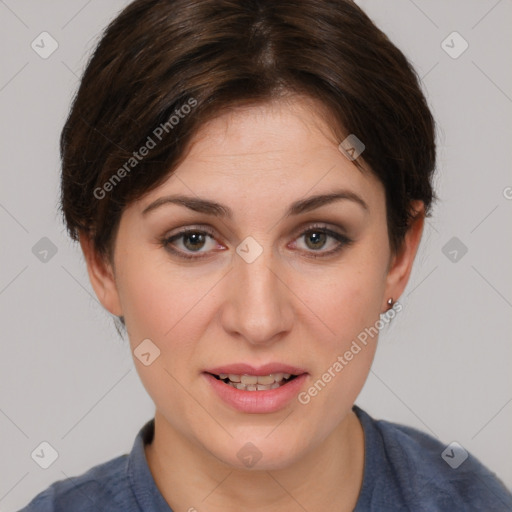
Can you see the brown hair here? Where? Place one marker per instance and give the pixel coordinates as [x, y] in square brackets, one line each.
[158, 58]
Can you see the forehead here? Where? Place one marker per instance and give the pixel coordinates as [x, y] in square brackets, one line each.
[276, 135]
[280, 150]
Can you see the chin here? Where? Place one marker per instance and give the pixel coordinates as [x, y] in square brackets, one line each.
[261, 452]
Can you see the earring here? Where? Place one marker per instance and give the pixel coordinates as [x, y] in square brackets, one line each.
[390, 302]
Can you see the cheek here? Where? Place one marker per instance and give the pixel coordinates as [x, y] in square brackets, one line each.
[160, 304]
[347, 297]
[156, 298]
[349, 304]
[349, 309]
[164, 304]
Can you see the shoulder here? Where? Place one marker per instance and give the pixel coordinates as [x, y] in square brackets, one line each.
[428, 475]
[103, 487]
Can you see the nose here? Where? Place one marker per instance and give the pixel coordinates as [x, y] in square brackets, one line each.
[258, 304]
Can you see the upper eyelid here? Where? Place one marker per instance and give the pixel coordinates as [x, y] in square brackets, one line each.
[303, 228]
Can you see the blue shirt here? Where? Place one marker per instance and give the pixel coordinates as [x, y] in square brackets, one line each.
[403, 471]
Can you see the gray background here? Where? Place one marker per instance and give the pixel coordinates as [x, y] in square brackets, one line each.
[444, 364]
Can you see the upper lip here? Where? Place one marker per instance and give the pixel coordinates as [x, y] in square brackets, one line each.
[247, 369]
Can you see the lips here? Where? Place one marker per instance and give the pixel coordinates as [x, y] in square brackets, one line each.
[256, 389]
[246, 369]
[256, 398]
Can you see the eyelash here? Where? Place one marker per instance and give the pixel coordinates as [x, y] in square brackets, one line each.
[343, 240]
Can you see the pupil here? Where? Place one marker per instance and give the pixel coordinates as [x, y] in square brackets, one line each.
[318, 239]
[197, 241]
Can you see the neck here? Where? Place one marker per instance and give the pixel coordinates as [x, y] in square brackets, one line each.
[189, 478]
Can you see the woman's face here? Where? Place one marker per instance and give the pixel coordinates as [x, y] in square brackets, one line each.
[269, 277]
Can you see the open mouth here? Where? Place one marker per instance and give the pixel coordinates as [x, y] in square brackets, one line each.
[255, 382]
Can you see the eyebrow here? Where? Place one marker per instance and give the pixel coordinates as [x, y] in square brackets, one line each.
[213, 208]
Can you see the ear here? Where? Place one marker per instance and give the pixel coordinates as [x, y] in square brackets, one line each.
[101, 275]
[401, 263]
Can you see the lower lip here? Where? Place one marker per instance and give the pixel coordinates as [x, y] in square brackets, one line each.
[266, 401]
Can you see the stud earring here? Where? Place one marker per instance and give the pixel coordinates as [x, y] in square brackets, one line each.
[390, 302]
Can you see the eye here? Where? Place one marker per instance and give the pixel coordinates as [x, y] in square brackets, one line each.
[196, 243]
[317, 237]
[190, 240]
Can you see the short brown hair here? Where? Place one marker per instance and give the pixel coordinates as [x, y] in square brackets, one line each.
[158, 55]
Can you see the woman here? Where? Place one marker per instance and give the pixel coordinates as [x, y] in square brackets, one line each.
[249, 183]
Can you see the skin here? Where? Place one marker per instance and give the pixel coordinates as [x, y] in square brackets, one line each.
[285, 306]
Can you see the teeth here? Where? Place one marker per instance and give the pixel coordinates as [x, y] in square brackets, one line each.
[255, 379]
[249, 379]
[266, 379]
[253, 387]
[255, 382]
